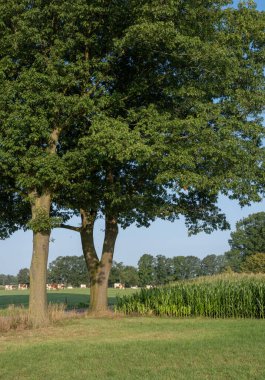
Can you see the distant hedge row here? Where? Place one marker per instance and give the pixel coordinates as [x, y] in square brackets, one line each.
[233, 296]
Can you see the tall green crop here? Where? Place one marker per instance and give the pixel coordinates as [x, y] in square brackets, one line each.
[237, 296]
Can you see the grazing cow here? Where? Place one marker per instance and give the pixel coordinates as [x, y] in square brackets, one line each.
[10, 287]
[23, 286]
[83, 286]
[55, 286]
[52, 286]
[118, 285]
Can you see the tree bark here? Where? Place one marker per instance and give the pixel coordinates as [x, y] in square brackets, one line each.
[40, 208]
[38, 306]
[99, 269]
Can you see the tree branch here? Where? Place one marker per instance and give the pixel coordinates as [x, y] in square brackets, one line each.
[72, 228]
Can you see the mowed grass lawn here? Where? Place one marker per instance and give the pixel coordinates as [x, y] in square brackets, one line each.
[73, 298]
[130, 347]
[134, 348]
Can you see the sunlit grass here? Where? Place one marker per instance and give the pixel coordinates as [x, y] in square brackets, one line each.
[131, 348]
[136, 348]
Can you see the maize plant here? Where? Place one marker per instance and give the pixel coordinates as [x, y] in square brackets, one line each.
[223, 296]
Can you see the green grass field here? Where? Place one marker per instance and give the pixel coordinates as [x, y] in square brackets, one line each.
[74, 298]
[136, 348]
[132, 348]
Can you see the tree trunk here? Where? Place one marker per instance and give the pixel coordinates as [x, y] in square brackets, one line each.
[99, 269]
[99, 291]
[38, 306]
[40, 208]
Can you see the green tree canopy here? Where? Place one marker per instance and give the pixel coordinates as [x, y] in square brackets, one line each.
[146, 270]
[163, 270]
[116, 273]
[130, 276]
[125, 274]
[8, 279]
[68, 270]
[212, 264]
[14, 210]
[254, 263]
[186, 267]
[249, 235]
[179, 97]
[23, 276]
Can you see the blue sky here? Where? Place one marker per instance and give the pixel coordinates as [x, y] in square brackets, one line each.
[169, 239]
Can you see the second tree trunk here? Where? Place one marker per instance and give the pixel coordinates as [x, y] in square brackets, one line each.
[99, 269]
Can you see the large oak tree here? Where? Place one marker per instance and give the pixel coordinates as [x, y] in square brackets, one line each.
[181, 124]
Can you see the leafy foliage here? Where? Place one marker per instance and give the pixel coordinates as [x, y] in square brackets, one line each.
[43, 222]
[182, 93]
[186, 267]
[7, 279]
[146, 270]
[212, 264]
[246, 240]
[254, 263]
[23, 276]
[14, 210]
[155, 83]
[69, 270]
[249, 236]
[163, 270]
[124, 274]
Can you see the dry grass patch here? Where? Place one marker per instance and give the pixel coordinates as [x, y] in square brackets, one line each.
[14, 318]
[17, 317]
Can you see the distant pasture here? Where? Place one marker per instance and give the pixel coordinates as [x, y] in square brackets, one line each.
[72, 298]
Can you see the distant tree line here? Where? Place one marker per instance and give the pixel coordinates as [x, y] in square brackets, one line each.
[158, 270]
[70, 270]
[151, 270]
[21, 278]
[7, 279]
[247, 254]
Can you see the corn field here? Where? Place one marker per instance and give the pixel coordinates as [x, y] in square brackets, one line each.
[224, 296]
